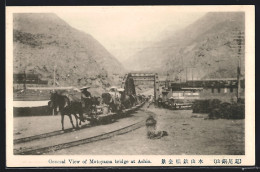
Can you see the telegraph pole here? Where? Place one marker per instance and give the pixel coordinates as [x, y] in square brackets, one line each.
[54, 80]
[186, 75]
[190, 71]
[182, 65]
[24, 83]
[54, 76]
[239, 43]
[238, 70]
[167, 81]
[240, 37]
[27, 64]
[192, 74]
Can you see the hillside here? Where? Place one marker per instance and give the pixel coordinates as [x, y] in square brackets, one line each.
[203, 49]
[42, 41]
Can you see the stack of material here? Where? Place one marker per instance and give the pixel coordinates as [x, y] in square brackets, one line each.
[200, 106]
[217, 109]
[228, 111]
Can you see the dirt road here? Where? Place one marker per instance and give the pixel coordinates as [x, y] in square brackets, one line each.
[189, 134]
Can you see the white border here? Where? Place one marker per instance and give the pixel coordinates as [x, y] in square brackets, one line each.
[42, 161]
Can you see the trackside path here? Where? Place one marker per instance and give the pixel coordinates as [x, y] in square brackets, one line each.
[80, 134]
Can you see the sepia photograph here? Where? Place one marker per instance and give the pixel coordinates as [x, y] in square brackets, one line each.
[130, 86]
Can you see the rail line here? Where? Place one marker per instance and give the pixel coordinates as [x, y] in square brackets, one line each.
[44, 135]
[53, 148]
[60, 132]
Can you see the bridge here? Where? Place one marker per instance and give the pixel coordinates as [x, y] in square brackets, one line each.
[131, 80]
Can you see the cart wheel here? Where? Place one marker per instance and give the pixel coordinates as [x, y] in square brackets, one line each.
[107, 120]
[94, 121]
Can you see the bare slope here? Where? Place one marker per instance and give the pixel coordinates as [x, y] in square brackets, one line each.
[204, 46]
[42, 41]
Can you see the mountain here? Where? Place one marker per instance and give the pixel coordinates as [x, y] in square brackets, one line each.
[204, 49]
[43, 40]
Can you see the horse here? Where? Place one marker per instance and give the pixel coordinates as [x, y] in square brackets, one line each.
[67, 107]
[52, 108]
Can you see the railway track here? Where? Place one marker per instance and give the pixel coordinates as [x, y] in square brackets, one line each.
[53, 148]
[60, 132]
[45, 135]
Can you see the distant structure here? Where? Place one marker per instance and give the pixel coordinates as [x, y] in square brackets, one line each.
[219, 88]
[24, 80]
[142, 78]
[128, 85]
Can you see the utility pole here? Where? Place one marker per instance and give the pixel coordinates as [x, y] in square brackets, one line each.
[54, 80]
[239, 42]
[186, 75]
[27, 64]
[238, 37]
[24, 83]
[192, 76]
[167, 81]
[54, 76]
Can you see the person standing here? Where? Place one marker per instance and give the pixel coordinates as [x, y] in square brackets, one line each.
[85, 99]
[150, 101]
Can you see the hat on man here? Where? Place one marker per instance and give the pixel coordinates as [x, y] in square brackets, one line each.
[85, 87]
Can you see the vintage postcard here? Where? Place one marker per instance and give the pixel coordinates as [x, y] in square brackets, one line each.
[128, 86]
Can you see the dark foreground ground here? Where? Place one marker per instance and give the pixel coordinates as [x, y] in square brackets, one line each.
[189, 134]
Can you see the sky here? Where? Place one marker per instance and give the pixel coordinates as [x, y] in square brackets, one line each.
[124, 31]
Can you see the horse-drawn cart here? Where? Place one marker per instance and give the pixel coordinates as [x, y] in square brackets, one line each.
[104, 108]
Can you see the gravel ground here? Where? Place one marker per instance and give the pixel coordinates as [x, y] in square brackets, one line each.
[34, 125]
[189, 134]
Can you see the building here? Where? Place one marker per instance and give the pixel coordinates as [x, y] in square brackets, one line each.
[23, 80]
[225, 89]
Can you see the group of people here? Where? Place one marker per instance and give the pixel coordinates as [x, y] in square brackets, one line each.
[152, 100]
